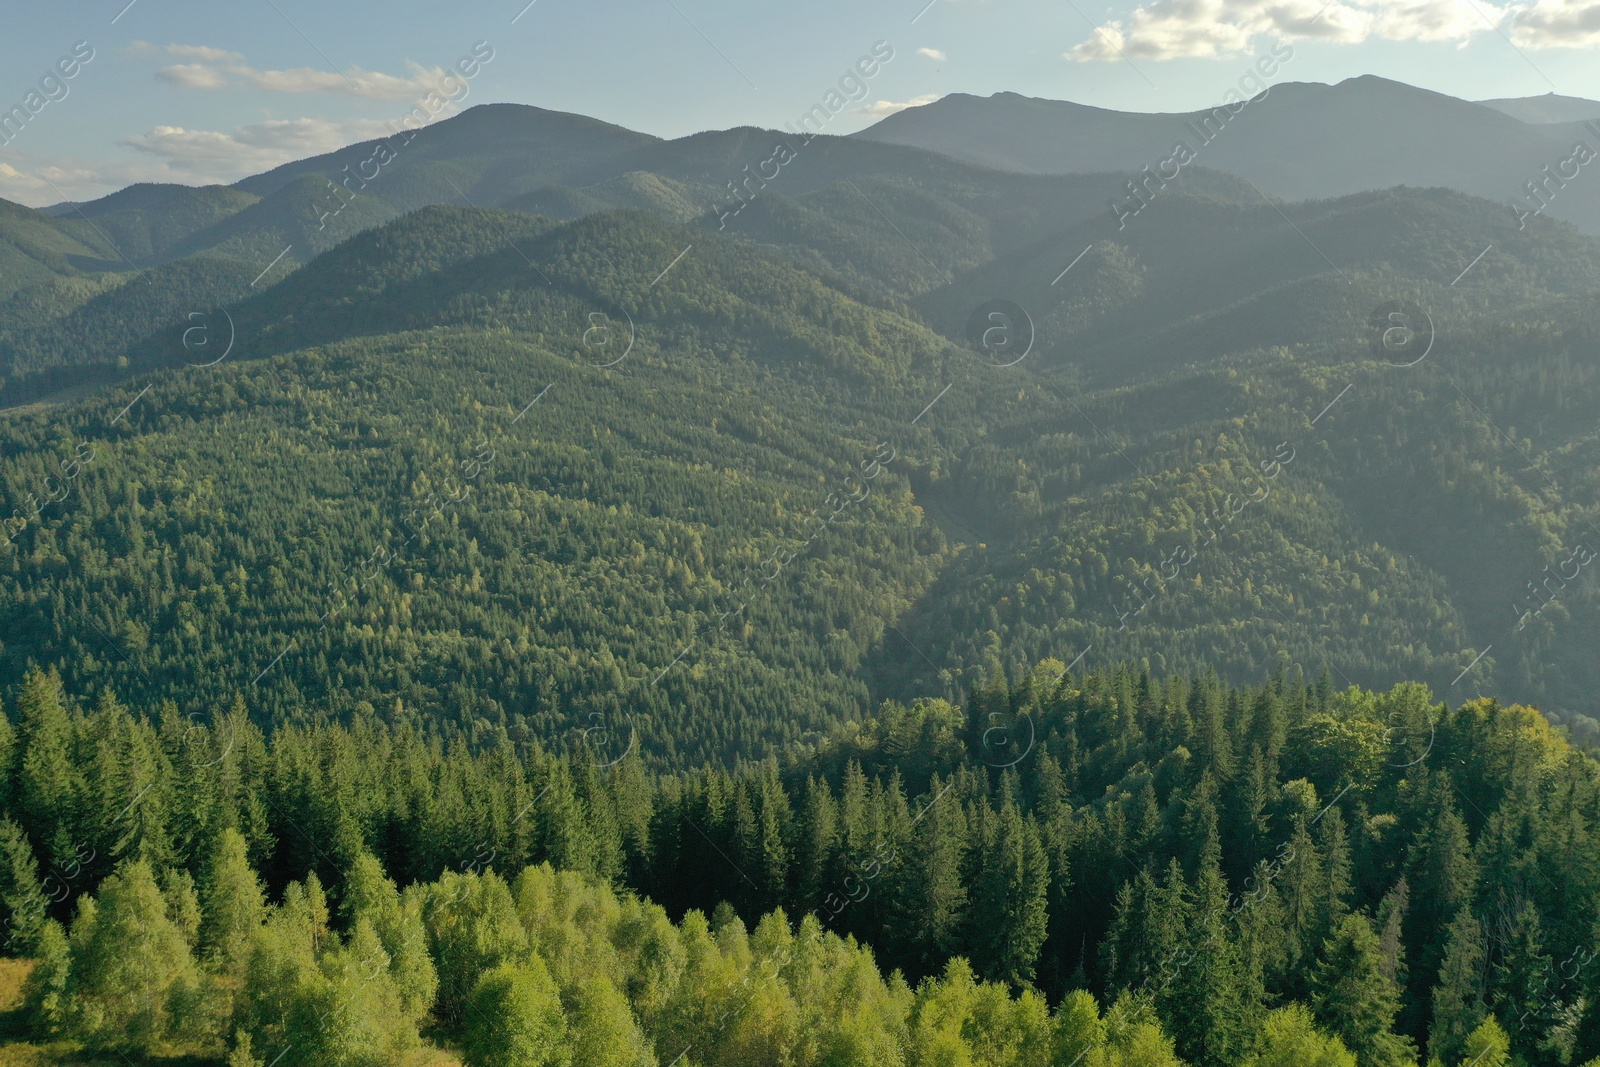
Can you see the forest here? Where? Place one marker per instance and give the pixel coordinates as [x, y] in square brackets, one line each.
[528, 623]
[358, 504]
[1101, 866]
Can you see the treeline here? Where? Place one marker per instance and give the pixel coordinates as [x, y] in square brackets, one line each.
[552, 970]
[1399, 869]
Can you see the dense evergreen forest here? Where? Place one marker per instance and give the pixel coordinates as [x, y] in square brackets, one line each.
[1146, 871]
[358, 504]
[578, 629]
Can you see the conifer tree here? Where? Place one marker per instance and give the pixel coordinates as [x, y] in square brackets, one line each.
[928, 896]
[1458, 995]
[816, 833]
[1212, 1003]
[1524, 989]
[1390, 920]
[1354, 1001]
[231, 904]
[1008, 921]
[23, 904]
[46, 781]
[1443, 879]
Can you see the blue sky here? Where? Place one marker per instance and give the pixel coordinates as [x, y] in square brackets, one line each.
[193, 92]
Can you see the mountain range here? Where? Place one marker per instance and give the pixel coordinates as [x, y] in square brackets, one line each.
[544, 425]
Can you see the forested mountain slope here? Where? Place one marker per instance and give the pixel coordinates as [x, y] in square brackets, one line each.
[670, 530]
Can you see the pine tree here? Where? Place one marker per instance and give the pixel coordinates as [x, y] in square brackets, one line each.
[1458, 995]
[231, 904]
[22, 900]
[1008, 914]
[1354, 1001]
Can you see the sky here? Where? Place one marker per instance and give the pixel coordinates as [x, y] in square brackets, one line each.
[200, 93]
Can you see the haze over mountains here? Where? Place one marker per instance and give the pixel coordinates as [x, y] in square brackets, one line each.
[1297, 141]
[783, 321]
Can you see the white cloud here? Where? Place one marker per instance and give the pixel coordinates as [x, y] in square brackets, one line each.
[193, 76]
[1172, 29]
[354, 81]
[184, 51]
[1557, 24]
[200, 51]
[932, 53]
[214, 155]
[32, 188]
[218, 68]
[888, 107]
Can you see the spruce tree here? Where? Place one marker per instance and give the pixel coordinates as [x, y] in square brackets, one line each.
[928, 895]
[231, 904]
[46, 779]
[1524, 988]
[1008, 921]
[1212, 1003]
[23, 904]
[1354, 1000]
[1443, 879]
[1458, 995]
[816, 834]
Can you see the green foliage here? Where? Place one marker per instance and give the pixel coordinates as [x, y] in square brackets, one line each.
[131, 982]
[232, 908]
[515, 1020]
[1487, 1046]
[951, 870]
[22, 897]
[1354, 1000]
[1289, 1038]
[472, 927]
